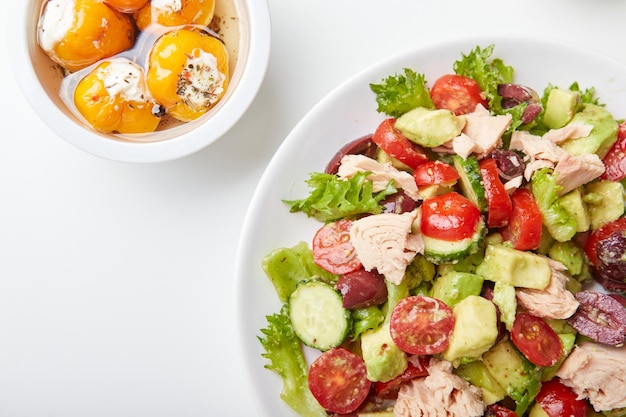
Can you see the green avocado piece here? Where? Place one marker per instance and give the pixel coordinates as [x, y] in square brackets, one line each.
[477, 374]
[515, 267]
[475, 329]
[454, 286]
[602, 136]
[560, 107]
[574, 204]
[605, 200]
[430, 128]
[383, 358]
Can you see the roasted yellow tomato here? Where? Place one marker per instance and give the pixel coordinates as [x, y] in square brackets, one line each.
[187, 72]
[176, 13]
[127, 6]
[78, 33]
[113, 98]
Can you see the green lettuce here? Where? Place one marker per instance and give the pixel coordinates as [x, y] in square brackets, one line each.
[397, 94]
[333, 198]
[286, 358]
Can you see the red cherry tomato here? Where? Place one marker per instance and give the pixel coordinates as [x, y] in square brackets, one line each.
[536, 339]
[435, 173]
[450, 217]
[524, 227]
[333, 250]
[558, 400]
[498, 200]
[457, 93]
[338, 380]
[421, 325]
[615, 159]
[415, 369]
[600, 234]
[394, 143]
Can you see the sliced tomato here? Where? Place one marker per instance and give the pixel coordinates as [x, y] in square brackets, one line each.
[394, 143]
[457, 93]
[421, 325]
[450, 217]
[536, 339]
[338, 380]
[615, 159]
[416, 368]
[525, 224]
[333, 250]
[600, 234]
[435, 173]
[498, 200]
[559, 400]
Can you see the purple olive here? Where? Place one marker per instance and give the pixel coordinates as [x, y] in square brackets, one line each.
[361, 146]
[398, 203]
[510, 164]
[361, 289]
[600, 317]
[611, 254]
[514, 94]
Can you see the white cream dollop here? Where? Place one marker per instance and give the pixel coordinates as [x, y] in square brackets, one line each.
[203, 83]
[57, 19]
[123, 78]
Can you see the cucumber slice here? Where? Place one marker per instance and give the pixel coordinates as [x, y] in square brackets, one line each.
[318, 316]
[471, 181]
[440, 251]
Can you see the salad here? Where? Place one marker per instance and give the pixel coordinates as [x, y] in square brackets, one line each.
[460, 251]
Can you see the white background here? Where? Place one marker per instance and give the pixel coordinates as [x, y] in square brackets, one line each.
[117, 292]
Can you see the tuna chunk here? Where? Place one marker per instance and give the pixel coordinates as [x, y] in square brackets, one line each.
[574, 171]
[597, 372]
[569, 131]
[380, 175]
[553, 302]
[385, 242]
[440, 394]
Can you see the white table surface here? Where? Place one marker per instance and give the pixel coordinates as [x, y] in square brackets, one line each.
[117, 292]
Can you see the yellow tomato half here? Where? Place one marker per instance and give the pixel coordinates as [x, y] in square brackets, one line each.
[187, 72]
[198, 12]
[97, 32]
[117, 112]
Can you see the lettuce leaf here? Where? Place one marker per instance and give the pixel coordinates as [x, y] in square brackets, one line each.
[286, 358]
[397, 94]
[333, 198]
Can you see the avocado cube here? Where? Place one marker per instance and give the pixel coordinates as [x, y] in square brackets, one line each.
[430, 128]
[454, 286]
[560, 107]
[515, 267]
[602, 136]
[477, 374]
[574, 204]
[605, 200]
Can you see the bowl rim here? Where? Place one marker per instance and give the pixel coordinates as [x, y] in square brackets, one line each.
[258, 39]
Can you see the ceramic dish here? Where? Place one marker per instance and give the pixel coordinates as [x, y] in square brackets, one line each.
[349, 112]
[244, 26]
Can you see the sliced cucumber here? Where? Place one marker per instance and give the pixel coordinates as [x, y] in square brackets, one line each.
[318, 316]
[440, 251]
[471, 181]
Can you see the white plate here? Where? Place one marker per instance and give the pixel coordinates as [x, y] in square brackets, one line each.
[347, 113]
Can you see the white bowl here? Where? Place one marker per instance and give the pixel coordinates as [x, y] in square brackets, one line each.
[245, 28]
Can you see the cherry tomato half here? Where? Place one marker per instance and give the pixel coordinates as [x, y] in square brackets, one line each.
[615, 159]
[338, 380]
[558, 400]
[435, 173]
[498, 200]
[536, 339]
[421, 325]
[497, 410]
[333, 250]
[450, 217]
[524, 227]
[457, 93]
[394, 143]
